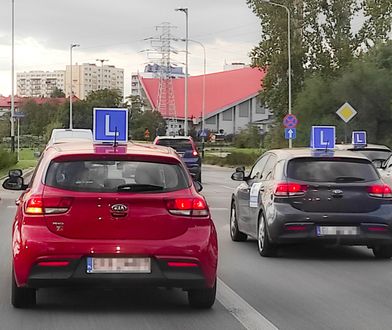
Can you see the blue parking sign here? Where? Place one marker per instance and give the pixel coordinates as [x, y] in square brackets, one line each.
[323, 137]
[359, 138]
[110, 124]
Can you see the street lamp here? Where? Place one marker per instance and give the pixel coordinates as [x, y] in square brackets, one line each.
[288, 52]
[185, 10]
[13, 79]
[101, 60]
[71, 93]
[204, 86]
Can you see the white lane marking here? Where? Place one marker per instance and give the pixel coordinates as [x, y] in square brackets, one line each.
[227, 187]
[11, 207]
[250, 318]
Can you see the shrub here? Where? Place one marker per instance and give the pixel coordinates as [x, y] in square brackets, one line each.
[7, 159]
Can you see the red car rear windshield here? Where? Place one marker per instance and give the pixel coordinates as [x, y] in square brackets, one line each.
[115, 176]
[331, 170]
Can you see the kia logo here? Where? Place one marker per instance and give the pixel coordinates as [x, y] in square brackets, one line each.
[119, 208]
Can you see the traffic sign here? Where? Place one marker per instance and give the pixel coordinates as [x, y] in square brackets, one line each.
[110, 124]
[359, 138]
[204, 133]
[323, 137]
[18, 114]
[290, 121]
[346, 112]
[290, 133]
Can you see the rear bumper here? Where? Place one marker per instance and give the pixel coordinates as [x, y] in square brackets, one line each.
[290, 225]
[197, 245]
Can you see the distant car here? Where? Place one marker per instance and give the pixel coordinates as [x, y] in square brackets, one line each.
[296, 195]
[186, 148]
[98, 216]
[61, 135]
[377, 153]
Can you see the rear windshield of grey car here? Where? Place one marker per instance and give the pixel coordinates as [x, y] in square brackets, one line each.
[115, 176]
[342, 170]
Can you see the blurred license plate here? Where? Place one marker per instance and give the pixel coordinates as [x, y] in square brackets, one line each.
[329, 230]
[118, 265]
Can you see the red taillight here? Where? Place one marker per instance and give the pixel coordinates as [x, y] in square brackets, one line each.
[295, 227]
[290, 189]
[195, 207]
[181, 264]
[35, 205]
[194, 153]
[380, 191]
[53, 263]
[51, 205]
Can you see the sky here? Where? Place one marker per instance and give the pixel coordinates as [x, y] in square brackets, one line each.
[116, 29]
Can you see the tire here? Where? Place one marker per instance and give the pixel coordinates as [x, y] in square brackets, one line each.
[264, 245]
[199, 177]
[235, 233]
[202, 298]
[22, 297]
[382, 251]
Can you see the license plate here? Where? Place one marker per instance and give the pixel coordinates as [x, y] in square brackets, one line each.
[118, 265]
[329, 230]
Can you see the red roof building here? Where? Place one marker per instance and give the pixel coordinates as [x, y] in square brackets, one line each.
[5, 101]
[231, 100]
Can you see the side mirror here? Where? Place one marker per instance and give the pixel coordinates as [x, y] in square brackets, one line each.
[15, 173]
[238, 176]
[198, 186]
[240, 169]
[14, 183]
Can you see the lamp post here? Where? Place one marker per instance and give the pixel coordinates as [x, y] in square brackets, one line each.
[13, 79]
[185, 10]
[71, 93]
[101, 60]
[204, 87]
[288, 51]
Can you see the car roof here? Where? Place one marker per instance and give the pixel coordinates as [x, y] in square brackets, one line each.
[177, 137]
[307, 152]
[81, 147]
[350, 146]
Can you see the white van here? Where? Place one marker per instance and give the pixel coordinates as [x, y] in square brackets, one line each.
[61, 135]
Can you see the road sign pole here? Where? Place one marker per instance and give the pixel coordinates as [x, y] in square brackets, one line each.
[345, 133]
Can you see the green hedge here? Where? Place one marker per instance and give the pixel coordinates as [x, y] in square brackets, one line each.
[7, 159]
[233, 159]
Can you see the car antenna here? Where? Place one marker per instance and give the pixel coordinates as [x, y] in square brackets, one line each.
[326, 146]
[115, 143]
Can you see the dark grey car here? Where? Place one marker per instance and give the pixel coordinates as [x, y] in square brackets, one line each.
[298, 195]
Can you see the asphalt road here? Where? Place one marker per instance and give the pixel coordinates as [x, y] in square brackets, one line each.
[303, 288]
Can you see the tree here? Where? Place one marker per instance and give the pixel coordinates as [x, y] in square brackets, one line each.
[57, 92]
[151, 120]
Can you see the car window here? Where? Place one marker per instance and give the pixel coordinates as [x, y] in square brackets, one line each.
[257, 169]
[176, 144]
[267, 171]
[331, 170]
[374, 154]
[108, 176]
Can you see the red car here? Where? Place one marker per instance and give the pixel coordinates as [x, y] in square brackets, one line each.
[101, 216]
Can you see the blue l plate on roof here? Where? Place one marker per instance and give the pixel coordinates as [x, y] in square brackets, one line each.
[359, 138]
[110, 124]
[322, 137]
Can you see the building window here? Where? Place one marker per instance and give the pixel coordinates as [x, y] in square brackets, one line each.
[244, 109]
[211, 120]
[259, 107]
[228, 115]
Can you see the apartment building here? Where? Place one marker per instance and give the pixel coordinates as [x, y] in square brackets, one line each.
[39, 83]
[88, 77]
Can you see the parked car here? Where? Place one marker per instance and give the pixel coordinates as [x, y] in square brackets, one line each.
[98, 215]
[186, 148]
[297, 195]
[377, 153]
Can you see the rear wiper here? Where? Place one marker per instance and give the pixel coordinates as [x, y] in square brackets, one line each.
[348, 179]
[138, 187]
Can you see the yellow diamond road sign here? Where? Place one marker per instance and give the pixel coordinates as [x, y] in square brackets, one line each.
[346, 112]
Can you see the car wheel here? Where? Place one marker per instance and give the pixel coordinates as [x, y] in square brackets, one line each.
[264, 245]
[202, 298]
[22, 297]
[235, 233]
[382, 251]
